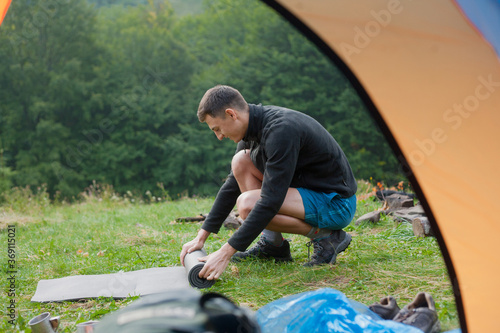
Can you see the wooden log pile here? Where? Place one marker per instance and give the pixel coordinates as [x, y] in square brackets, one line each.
[232, 222]
[401, 207]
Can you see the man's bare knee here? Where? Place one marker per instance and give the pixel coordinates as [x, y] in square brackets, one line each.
[241, 163]
[245, 204]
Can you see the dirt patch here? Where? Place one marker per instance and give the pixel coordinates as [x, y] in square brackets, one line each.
[135, 240]
[83, 304]
[367, 231]
[11, 218]
[335, 282]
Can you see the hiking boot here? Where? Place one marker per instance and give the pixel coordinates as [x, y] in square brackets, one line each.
[387, 308]
[266, 250]
[420, 313]
[327, 249]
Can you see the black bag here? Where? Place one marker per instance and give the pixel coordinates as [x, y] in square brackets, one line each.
[180, 311]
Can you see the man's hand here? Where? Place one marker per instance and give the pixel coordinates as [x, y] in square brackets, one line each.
[195, 244]
[216, 262]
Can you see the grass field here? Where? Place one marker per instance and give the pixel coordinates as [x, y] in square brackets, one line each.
[105, 234]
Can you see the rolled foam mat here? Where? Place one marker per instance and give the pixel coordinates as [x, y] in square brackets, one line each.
[193, 268]
[124, 284]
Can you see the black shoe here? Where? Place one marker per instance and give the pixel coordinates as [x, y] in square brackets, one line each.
[327, 249]
[420, 313]
[387, 308]
[266, 250]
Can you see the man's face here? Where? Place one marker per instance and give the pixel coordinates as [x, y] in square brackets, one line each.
[229, 126]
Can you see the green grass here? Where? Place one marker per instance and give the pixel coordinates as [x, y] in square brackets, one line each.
[101, 237]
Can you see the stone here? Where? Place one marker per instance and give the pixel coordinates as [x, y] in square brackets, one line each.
[383, 194]
[371, 217]
[396, 201]
[408, 214]
[232, 222]
[421, 227]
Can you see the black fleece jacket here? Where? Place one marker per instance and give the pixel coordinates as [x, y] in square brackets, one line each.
[294, 151]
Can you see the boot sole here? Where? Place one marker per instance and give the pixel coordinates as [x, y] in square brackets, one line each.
[341, 248]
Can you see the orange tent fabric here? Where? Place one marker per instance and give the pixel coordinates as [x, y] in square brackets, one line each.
[432, 82]
[4, 6]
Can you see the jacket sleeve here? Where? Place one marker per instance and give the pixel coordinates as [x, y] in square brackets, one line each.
[224, 201]
[282, 150]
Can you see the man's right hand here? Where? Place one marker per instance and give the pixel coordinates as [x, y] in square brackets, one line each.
[195, 244]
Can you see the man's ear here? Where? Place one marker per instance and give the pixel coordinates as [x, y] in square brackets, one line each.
[231, 113]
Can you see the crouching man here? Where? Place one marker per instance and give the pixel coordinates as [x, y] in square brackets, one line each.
[288, 175]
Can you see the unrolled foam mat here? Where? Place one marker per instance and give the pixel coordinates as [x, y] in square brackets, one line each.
[124, 284]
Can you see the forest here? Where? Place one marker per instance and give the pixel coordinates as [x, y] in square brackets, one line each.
[106, 91]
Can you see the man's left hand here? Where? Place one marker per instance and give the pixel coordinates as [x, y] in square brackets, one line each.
[216, 262]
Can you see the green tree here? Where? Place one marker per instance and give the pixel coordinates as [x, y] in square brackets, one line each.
[46, 78]
[284, 68]
[108, 91]
[148, 78]
[362, 141]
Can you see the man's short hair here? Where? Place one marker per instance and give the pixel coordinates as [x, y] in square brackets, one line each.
[219, 98]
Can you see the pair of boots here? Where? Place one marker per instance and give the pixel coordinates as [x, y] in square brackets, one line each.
[420, 313]
[325, 249]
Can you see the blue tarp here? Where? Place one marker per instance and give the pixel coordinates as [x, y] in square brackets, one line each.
[325, 310]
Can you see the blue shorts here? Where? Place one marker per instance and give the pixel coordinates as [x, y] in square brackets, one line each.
[327, 210]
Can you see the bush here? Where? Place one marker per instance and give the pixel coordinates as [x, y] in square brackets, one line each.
[25, 200]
